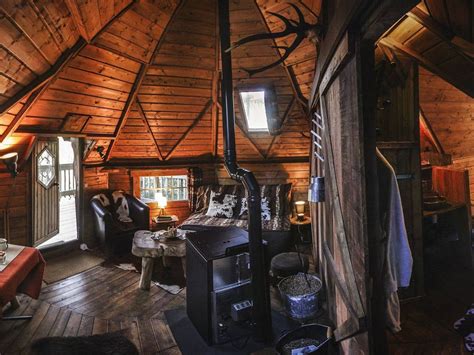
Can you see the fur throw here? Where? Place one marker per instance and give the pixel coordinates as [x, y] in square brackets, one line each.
[121, 207]
[221, 205]
[103, 344]
[104, 200]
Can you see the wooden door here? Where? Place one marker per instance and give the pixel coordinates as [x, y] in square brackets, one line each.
[45, 190]
[398, 138]
[342, 238]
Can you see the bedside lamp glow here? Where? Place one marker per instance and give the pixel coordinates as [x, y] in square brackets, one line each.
[162, 203]
[299, 207]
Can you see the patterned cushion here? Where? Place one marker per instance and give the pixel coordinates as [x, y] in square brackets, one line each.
[221, 205]
[265, 205]
[276, 223]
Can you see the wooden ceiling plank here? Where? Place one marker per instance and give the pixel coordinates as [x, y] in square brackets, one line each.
[77, 18]
[190, 128]
[288, 69]
[147, 125]
[468, 89]
[438, 29]
[111, 21]
[45, 78]
[127, 108]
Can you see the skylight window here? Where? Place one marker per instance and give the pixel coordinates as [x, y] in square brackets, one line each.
[253, 103]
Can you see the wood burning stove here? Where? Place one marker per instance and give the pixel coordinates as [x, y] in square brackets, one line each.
[218, 278]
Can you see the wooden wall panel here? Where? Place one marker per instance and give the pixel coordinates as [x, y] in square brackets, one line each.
[451, 115]
[95, 181]
[18, 192]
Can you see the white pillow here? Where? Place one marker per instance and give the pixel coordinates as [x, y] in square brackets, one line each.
[221, 206]
[265, 205]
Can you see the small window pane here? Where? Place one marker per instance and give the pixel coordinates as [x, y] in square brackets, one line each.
[174, 188]
[254, 107]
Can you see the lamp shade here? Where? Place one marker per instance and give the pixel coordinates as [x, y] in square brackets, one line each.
[162, 201]
[10, 160]
[316, 189]
[299, 206]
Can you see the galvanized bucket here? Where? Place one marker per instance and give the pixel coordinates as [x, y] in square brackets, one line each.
[301, 307]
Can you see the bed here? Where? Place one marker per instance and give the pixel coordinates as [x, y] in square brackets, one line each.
[275, 216]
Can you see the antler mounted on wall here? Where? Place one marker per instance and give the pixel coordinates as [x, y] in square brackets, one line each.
[301, 28]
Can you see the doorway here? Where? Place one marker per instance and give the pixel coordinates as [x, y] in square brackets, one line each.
[55, 192]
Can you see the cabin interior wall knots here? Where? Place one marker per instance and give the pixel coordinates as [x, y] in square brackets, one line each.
[236, 176]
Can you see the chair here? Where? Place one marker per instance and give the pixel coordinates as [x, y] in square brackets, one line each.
[112, 233]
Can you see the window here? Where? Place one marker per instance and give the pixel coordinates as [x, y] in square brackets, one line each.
[253, 103]
[173, 187]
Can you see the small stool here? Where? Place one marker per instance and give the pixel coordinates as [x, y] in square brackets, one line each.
[287, 264]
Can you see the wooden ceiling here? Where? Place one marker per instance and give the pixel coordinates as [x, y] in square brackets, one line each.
[431, 34]
[141, 78]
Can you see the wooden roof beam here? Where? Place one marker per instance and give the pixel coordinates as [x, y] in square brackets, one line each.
[44, 78]
[439, 30]
[127, 108]
[190, 128]
[138, 81]
[288, 111]
[468, 89]
[147, 125]
[77, 18]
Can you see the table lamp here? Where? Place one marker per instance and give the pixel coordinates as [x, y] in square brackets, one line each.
[299, 206]
[162, 203]
[10, 160]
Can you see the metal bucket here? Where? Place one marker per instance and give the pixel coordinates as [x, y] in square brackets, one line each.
[319, 332]
[301, 307]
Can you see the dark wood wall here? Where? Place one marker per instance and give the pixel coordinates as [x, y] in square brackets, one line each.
[18, 192]
[451, 115]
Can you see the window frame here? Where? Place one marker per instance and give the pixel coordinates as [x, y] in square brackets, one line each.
[271, 107]
[136, 174]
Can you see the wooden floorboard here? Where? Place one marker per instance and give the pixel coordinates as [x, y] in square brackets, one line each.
[107, 299]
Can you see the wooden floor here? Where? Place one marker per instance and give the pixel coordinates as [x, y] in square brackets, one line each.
[96, 301]
[427, 324]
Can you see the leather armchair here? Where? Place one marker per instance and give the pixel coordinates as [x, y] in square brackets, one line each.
[114, 235]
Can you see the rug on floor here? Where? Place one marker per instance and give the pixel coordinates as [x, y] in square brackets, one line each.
[70, 264]
[111, 343]
[190, 342]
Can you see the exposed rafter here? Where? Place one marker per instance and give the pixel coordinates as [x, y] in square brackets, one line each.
[112, 20]
[127, 108]
[44, 78]
[468, 89]
[439, 30]
[190, 128]
[137, 84]
[77, 18]
[147, 125]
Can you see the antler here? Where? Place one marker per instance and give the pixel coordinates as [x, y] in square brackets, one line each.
[301, 28]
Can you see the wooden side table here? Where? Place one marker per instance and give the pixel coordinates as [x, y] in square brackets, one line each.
[301, 230]
[147, 248]
[164, 224]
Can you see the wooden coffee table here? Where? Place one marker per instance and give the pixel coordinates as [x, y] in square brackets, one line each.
[147, 248]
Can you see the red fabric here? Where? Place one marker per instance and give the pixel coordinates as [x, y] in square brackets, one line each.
[24, 274]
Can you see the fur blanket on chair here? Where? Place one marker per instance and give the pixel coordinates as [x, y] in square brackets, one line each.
[102, 344]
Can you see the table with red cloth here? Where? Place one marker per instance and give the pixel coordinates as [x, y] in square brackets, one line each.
[24, 274]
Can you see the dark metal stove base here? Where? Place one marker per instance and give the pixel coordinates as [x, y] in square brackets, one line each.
[191, 343]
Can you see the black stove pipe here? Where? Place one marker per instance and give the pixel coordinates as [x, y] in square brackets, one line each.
[260, 286]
